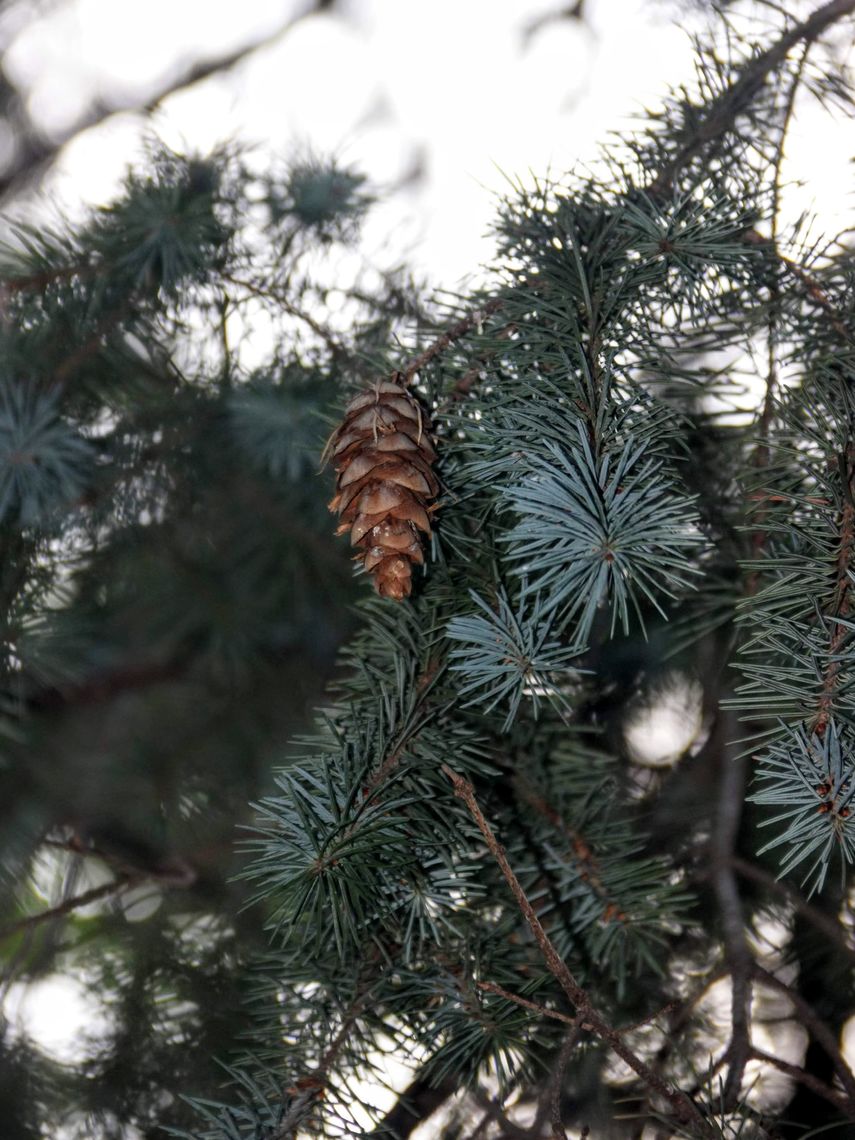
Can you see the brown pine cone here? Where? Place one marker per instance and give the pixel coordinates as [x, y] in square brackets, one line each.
[383, 457]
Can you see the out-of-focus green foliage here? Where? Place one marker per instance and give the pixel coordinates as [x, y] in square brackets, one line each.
[172, 598]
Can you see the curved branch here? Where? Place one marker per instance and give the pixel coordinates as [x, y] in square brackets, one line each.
[38, 154]
[723, 111]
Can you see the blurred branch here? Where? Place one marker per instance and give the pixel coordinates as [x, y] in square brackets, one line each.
[818, 1029]
[737, 953]
[736, 97]
[94, 895]
[36, 154]
[786, 893]
[807, 1079]
[414, 1106]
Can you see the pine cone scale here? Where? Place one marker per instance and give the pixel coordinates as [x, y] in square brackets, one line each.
[385, 481]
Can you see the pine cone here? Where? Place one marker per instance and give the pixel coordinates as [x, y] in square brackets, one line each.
[383, 457]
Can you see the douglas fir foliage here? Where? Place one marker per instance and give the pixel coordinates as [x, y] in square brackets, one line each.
[171, 600]
[489, 913]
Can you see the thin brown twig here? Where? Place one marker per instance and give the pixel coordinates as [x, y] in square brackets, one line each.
[557, 1015]
[557, 1083]
[280, 298]
[493, 1109]
[450, 336]
[526, 1003]
[684, 1109]
[586, 860]
[309, 1088]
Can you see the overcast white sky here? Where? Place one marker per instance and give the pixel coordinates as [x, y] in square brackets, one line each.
[452, 86]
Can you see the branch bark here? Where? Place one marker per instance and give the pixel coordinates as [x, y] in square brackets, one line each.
[685, 1111]
[732, 102]
[39, 153]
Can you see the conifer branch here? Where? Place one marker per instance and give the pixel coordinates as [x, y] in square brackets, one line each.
[308, 1089]
[731, 794]
[36, 154]
[451, 335]
[556, 1084]
[533, 1006]
[582, 854]
[282, 298]
[726, 108]
[419, 1101]
[684, 1109]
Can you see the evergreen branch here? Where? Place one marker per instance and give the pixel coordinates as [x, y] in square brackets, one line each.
[422, 685]
[494, 1114]
[817, 294]
[92, 345]
[685, 1110]
[582, 852]
[308, 1089]
[840, 605]
[556, 1083]
[38, 281]
[535, 1007]
[280, 297]
[720, 118]
[419, 1101]
[463, 386]
[818, 1029]
[115, 887]
[556, 1015]
[730, 104]
[407, 374]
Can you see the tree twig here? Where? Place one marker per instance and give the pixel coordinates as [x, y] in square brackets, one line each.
[786, 893]
[841, 603]
[557, 1083]
[38, 154]
[452, 334]
[726, 108]
[115, 887]
[308, 1089]
[685, 1110]
[737, 953]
